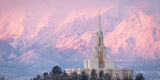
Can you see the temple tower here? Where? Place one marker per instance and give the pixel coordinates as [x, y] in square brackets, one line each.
[99, 58]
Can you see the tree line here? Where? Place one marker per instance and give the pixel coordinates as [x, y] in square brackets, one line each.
[57, 74]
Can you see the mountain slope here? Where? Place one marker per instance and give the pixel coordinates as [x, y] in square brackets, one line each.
[132, 38]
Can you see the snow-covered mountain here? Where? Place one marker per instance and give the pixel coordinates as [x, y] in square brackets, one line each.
[30, 45]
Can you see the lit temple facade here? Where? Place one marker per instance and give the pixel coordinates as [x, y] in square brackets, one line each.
[99, 61]
[99, 58]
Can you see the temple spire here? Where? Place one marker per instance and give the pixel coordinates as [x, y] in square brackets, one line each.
[99, 26]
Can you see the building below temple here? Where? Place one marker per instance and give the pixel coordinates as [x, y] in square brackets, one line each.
[99, 61]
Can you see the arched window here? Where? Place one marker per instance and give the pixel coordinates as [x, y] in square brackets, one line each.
[100, 57]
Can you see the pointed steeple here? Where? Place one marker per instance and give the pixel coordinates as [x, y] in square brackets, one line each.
[99, 27]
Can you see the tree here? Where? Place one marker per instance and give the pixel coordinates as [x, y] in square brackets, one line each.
[118, 78]
[46, 76]
[101, 75]
[2, 78]
[39, 77]
[34, 78]
[139, 76]
[64, 76]
[83, 76]
[56, 70]
[56, 73]
[107, 77]
[74, 76]
[93, 75]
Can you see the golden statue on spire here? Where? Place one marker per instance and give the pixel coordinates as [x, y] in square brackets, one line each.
[99, 12]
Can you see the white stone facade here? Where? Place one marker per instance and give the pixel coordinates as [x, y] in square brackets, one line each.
[114, 73]
[98, 58]
[99, 61]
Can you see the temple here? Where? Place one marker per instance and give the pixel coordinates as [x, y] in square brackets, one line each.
[99, 60]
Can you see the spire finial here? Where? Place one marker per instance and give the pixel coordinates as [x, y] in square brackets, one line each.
[99, 17]
[99, 28]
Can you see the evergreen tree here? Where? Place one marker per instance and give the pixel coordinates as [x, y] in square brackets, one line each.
[93, 75]
[39, 77]
[56, 70]
[101, 75]
[139, 76]
[2, 78]
[83, 76]
[64, 76]
[107, 77]
[46, 76]
[74, 76]
[56, 73]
